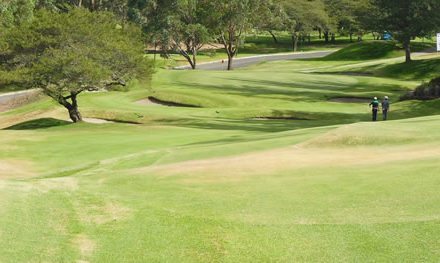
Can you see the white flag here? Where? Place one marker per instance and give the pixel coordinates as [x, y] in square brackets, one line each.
[438, 42]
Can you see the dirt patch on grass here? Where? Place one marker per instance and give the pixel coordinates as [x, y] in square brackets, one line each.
[62, 183]
[16, 169]
[97, 121]
[285, 118]
[350, 100]
[85, 245]
[110, 212]
[146, 102]
[240, 167]
[153, 101]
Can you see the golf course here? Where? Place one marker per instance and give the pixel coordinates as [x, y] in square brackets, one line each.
[274, 162]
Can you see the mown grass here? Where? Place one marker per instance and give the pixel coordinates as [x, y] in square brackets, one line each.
[256, 44]
[218, 183]
[418, 69]
[366, 51]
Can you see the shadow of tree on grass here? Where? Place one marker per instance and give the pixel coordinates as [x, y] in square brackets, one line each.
[42, 123]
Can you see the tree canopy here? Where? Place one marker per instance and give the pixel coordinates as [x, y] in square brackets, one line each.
[63, 55]
[408, 19]
[185, 26]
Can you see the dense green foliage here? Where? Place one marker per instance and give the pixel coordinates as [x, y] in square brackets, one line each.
[186, 26]
[64, 55]
[408, 19]
[16, 12]
[426, 91]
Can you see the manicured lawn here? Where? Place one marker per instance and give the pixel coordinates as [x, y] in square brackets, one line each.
[226, 181]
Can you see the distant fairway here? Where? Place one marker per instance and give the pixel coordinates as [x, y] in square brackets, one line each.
[268, 167]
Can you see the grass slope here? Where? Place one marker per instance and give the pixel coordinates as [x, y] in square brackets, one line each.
[219, 184]
[374, 50]
[383, 59]
[366, 51]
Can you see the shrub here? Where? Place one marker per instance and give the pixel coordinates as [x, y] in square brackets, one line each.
[426, 91]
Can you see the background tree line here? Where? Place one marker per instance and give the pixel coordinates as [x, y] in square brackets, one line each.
[68, 46]
[184, 26]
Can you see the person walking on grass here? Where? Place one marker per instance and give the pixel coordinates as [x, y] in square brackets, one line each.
[385, 108]
[375, 107]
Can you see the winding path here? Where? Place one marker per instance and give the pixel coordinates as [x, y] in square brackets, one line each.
[18, 98]
[10, 100]
[247, 61]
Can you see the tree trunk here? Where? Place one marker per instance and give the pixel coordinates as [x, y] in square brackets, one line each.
[273, 36]
[320, 33]
[232, 52]
[351, 37]
[333, 38]
[189, 53]
[326, 37]
[155, 51]
[79, 3]
[294, 42]
[228, 44]
[72, 107]
[74, 114]
[229, 62]
[188, 58]
[194, 55]
[407, 46]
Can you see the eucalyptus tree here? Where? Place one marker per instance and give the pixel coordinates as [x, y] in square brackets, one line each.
[230, 20]
[154, 16]
[408, 19]
[303, 17]
[366, 14]
[189, 31]
[63, 55]
[178, 25]
[342, 13]
[271, 18]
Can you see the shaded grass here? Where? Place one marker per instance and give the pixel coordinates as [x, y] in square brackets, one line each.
[374, 50]
[38, 124]
[366, 51]
[416, 69]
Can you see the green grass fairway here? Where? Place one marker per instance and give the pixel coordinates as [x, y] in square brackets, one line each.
[277, 163]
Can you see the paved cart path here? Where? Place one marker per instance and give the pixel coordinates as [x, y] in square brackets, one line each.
[247, 61]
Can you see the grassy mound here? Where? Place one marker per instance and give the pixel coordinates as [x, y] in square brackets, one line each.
[417, 69]
[42, 123]
[366, 51]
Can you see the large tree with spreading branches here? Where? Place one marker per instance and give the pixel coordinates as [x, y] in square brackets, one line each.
[64, 55]
[408, 19]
